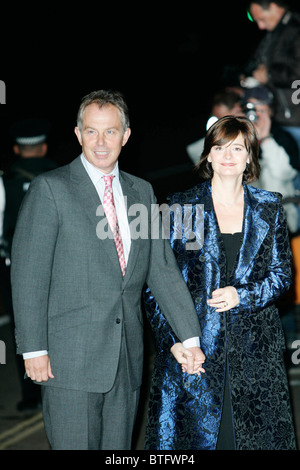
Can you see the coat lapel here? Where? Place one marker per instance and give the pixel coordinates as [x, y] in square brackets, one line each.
[213, 242]
[255, 229]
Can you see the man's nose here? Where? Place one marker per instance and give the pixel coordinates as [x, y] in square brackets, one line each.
[260, 25]
[100, 138]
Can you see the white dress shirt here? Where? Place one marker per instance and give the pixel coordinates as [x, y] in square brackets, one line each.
[97, 178]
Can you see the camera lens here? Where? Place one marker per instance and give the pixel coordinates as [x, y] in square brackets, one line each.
[250, 112]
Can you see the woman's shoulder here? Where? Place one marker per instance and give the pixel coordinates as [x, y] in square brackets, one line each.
[190, 196]
[262, 195]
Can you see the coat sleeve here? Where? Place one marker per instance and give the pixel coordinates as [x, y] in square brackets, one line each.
[168, 302]
[256, 295]
[32, 256]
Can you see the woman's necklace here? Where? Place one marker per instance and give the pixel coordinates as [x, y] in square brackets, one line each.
[227, 204]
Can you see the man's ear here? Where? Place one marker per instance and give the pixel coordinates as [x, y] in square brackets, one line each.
[126, 136]
[78, 134]
[16, 149]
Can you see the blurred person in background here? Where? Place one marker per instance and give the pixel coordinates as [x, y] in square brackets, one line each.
[224, 102]
[30, 149]
[278, 153]
[276, 61]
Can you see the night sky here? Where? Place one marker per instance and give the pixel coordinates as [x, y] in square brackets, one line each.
[167, 59]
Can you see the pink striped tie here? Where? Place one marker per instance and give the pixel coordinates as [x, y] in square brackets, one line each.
[111, 215]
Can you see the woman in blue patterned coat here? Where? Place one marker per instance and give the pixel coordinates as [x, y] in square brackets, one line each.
[243, 266]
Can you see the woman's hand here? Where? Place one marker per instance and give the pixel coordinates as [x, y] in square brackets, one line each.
[191, 359]
[224, 299]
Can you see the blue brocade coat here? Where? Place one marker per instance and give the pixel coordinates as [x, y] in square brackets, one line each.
[185, 410]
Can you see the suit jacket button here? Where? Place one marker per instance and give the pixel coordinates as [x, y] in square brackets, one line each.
[118, 320]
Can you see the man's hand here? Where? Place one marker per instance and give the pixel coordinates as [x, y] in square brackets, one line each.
[191, 359]
[261, 74]
[39, 368]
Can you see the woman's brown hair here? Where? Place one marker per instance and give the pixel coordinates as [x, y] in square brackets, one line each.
[223, 131]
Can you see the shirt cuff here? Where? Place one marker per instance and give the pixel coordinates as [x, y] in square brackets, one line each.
[33, 354]
[192, 342]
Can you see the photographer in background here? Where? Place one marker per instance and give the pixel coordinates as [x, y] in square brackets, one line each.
[276, 61]
[278, 156]
[224, 102]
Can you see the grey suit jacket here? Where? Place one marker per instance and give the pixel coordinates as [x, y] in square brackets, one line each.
[69, 296]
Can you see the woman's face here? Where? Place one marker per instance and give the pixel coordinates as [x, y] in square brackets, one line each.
[229, 159]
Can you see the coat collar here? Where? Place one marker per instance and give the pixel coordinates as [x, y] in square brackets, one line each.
[255, 228]
[205, 196]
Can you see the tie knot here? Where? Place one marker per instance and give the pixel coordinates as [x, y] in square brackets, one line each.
[108, 180]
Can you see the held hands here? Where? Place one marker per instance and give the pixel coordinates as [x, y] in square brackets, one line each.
[224, 299]
[191, 359]
[39, 368]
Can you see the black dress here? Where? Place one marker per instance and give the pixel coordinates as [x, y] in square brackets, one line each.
[232, 243]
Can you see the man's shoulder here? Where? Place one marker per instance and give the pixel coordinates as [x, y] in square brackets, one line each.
[55, 174]
[135, 180]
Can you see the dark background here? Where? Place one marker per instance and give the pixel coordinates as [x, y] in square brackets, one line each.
[167, 59]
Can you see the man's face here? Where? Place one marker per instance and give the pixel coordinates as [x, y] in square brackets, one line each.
[101, 136]
[221, 110]
[262, 109]
[266, 19]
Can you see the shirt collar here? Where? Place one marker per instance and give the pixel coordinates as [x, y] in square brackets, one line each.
[94, 173]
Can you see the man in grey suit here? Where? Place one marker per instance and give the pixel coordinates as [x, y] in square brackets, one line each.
[78, 318]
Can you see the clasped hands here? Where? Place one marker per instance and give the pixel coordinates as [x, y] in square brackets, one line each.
[191, 359]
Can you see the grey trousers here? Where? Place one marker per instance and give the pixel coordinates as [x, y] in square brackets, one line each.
[76, 420]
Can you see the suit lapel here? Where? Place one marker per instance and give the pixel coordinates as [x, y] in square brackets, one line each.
[132, 197]
[89, 199]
